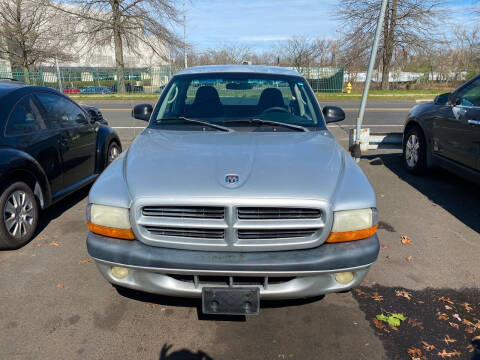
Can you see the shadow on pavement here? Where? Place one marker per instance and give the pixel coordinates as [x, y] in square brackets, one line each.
[182, 354]
[438, 323]
[456, 195]
[59, 208]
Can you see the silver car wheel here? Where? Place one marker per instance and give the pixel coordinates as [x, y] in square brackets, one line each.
[411, 150]
[113, 153]
[18, 214]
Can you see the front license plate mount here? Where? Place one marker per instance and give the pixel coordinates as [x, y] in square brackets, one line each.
[231, 301]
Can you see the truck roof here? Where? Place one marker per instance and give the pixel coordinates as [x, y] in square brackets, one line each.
[248, 69]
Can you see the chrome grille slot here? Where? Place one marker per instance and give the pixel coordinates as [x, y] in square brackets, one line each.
[232, 281]
[198, 233]
[274, 233]
[185, 212]
[271, 213]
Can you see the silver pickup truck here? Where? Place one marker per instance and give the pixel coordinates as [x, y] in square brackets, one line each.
[236, 191]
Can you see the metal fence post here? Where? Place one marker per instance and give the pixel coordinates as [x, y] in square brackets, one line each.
[59, 76]
[355, 149]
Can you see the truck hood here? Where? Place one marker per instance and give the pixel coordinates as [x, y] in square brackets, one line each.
[171, 164]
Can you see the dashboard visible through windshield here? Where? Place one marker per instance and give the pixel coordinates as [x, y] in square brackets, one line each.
[238, 101]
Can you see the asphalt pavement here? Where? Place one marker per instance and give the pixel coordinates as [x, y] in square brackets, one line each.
[54, 304]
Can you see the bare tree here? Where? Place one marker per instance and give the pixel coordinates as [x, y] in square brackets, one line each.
[409, 26]
[126, 24]
[467, 50]
[30, 34]
[300, 51]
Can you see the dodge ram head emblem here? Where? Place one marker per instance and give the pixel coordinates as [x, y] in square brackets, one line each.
[231, 178]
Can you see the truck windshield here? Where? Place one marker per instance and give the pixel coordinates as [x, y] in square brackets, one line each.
[223, 99]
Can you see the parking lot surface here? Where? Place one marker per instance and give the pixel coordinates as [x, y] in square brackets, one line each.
[54, 304]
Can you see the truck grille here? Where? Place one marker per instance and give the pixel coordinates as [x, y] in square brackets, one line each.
[270, 213]
[187, 212]
[187, 232]
[232, 281]
[227, 225]
[275, 234]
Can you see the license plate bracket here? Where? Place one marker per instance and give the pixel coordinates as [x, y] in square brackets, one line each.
[231, 301]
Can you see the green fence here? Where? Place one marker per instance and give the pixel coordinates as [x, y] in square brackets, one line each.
[146, 80]
[324, 79]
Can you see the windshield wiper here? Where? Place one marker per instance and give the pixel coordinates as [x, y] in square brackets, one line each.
[260, 122]
[206, 123]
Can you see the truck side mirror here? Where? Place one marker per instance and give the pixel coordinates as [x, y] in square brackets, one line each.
[333, 114]
[142, 111]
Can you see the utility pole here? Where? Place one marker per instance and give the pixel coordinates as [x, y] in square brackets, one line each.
[356, 152]
[185, 61]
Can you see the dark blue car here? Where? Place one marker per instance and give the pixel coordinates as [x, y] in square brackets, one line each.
[49, 147]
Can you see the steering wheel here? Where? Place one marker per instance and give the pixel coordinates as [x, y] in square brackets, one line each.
[275, 108]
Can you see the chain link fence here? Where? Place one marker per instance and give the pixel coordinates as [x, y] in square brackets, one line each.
[146, 80]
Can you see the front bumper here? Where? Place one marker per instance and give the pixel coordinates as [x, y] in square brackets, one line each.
[284, 274]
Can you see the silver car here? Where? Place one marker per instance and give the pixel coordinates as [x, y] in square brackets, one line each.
[236, 191]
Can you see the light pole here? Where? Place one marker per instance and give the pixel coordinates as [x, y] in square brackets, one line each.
[356, 152]
[185, 60]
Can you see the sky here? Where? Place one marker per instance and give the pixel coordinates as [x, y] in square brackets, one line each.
[260, 24]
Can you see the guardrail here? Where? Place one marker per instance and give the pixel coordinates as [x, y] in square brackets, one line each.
[371, 141]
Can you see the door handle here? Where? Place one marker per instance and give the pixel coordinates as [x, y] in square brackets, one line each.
[473, 122]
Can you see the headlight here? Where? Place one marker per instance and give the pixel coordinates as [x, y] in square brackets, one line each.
[350, 225]
[109, 221]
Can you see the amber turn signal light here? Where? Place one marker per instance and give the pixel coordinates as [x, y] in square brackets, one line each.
[126, 234]
[337, 237]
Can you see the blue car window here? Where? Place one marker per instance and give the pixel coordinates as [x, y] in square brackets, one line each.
[25, 118]
[62, 112]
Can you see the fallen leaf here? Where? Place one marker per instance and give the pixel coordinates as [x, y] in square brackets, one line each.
[470, 348]
[421, 302]
[454, 325]
[414, 352]
[377, 297]
[409, 258]
[445, 300]
[384, 246]
[380, 325]
[404, 294]
[80, 262]
[427, 346]
[394, 320]
[415, 323]
[60, 286]
[442, 316]
[444, 354]
[448, 340]
[362, 293]
[469, 330]
[54, 243]
[406, 240]
[393, 327]
[467, 306]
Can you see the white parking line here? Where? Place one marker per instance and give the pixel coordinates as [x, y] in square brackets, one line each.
[364, 125]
